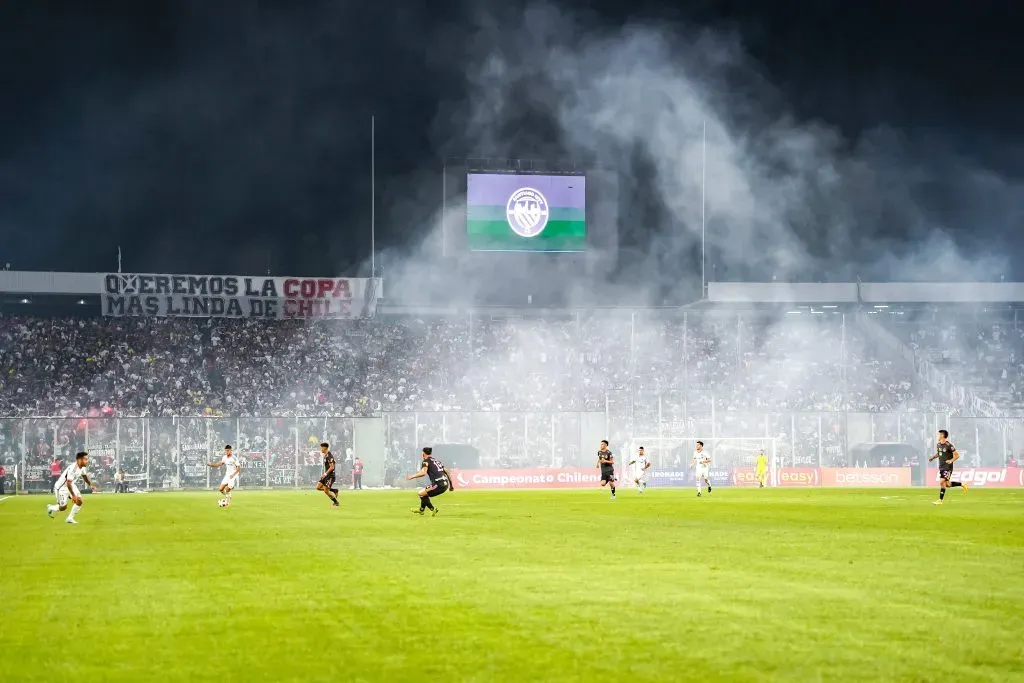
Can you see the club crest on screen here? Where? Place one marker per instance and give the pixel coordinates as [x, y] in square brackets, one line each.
[527, 212]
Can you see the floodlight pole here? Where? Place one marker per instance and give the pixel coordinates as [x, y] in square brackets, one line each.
[703, 184]
[373, 197]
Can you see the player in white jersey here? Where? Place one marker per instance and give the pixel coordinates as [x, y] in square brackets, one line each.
[642, 465]
[702, 468]
[66, 487]
[232, 468]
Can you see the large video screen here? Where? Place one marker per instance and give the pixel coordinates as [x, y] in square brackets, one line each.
[506, 212]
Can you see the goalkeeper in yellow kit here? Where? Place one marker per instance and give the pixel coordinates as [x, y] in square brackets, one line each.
[762, 469]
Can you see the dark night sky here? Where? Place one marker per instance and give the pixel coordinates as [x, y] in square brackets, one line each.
[229, 136]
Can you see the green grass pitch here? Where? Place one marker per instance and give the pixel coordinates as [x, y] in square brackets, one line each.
[745, 585]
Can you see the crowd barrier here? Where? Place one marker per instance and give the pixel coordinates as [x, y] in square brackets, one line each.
[788, 477]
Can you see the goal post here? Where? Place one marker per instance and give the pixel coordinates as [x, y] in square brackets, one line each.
[671, 457]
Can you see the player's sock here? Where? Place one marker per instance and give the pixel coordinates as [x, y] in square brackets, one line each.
[942, 493]
[423, 503]
[52, 508]
[426, 501]
[74, 511]
[955, 483]
[613, 491]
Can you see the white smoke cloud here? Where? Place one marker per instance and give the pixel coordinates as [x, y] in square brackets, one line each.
[783, 198]
[679, 111]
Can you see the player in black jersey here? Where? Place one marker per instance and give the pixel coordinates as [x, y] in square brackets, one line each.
[946, 454]
[439, 480]
[606, 461]
[326, 483]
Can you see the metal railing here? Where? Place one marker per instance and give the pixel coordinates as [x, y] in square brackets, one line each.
[172, 452]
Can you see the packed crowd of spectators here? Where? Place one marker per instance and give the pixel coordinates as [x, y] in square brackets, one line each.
[984, 350]
[472, 379]
[164, 367]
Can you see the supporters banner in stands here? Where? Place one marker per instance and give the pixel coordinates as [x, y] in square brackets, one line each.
[987, 477]
[528, 478]
[235, 296]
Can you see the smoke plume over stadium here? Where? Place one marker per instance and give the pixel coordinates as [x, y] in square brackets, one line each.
[251, 129]
[786, 199]
[236, 156]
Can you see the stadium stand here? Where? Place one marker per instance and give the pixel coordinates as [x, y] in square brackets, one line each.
[510, 385]
[983, 348]
[187, 366]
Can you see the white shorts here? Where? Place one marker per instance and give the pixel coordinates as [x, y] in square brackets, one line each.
[702, 471]
[230, 482]
[642, 477]
[63, 495]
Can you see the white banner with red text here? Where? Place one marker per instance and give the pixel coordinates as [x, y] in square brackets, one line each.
[237, 296]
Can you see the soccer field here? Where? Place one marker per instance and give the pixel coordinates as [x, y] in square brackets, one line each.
[745, 585]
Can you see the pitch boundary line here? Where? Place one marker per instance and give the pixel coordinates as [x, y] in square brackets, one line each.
[4, 498]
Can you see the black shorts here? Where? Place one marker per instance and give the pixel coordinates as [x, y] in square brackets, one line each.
[607, 476]
[946, 474]
[436, 488]
[327, 480]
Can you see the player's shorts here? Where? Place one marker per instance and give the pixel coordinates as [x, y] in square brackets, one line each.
[230, 482]
[327, 481]
[642, 477]
[946, 474]
[436, 488]
[608, 475]
[63, 495]
[702, 471]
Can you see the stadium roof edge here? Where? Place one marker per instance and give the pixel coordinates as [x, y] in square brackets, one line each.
[865, 292]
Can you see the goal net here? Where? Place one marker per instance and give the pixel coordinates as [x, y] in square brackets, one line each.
[675, 454]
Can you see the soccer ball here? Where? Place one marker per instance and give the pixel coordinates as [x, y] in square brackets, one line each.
[222, 503]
